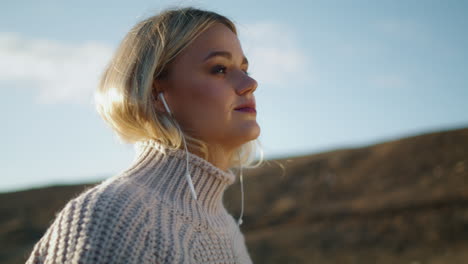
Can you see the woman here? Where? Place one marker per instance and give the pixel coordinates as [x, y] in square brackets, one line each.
[178, 88]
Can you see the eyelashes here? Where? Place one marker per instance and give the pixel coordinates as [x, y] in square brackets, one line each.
[218, 68]
[222, 69]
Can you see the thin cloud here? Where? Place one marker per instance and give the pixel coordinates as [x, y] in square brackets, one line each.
[69, 73]
[63, 73]
[274, 54]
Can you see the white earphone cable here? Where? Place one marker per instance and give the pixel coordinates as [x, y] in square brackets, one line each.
[240, 221]
[187, 174]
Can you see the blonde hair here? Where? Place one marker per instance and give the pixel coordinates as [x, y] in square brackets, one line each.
[125, 96]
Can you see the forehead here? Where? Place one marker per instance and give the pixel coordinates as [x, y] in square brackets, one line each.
[217, 37]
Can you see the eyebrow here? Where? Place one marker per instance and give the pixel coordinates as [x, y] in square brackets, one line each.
[225, 54]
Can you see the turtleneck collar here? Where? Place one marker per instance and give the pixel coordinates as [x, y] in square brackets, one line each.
[162, 169]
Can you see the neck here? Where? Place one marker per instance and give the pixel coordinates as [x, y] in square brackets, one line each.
[163, 170]
[219, 156]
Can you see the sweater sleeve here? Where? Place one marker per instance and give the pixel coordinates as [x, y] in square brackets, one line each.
[104, 225]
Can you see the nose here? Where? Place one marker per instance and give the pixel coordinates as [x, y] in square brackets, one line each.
[249, 85]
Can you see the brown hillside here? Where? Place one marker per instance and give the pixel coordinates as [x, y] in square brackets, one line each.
[403, 201]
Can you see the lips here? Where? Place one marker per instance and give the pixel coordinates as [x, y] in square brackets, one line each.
[249, 104]
[247, 110]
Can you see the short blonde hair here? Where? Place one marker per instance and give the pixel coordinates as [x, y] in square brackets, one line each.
[125, 96]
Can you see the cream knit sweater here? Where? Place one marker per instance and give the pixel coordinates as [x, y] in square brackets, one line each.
[146, 214]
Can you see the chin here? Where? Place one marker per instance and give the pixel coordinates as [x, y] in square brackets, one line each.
[241, 134]
[250, 132]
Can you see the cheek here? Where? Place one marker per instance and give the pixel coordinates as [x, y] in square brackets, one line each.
[212, 98]
[209, 115]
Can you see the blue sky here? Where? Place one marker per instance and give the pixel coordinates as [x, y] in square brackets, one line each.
[331, 74]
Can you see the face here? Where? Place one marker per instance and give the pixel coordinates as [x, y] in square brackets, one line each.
[205, 85]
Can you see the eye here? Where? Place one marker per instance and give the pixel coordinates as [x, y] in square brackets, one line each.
[222, 69]
[218, 68]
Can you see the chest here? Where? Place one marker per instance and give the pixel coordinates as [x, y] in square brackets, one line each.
[221, 247]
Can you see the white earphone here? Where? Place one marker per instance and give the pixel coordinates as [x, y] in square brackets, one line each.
[161, 96]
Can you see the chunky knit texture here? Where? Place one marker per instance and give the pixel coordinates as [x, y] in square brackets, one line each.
[146, 214]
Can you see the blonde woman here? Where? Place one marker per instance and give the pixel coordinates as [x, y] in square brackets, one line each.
[178, 88]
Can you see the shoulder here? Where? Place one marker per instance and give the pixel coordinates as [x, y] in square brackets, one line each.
[108, 223]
